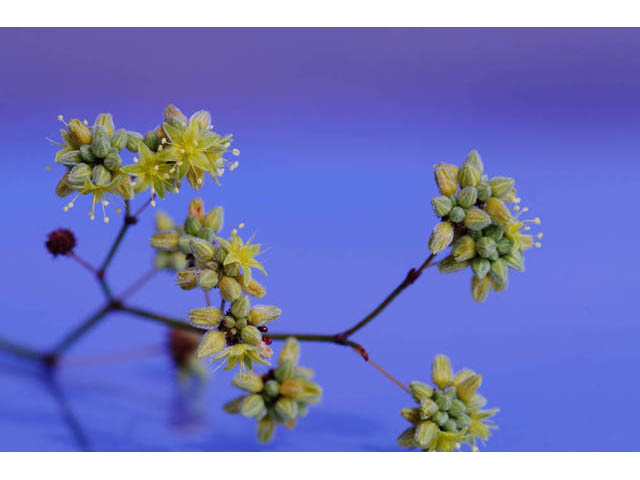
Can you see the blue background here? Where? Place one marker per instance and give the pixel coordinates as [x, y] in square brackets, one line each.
[338, 132]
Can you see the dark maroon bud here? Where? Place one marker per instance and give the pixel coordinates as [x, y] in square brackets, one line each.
[60, 242]
[266, 340]
[262, 328]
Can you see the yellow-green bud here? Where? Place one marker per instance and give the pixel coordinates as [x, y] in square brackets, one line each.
[428, 408]
[87, 155]
[63, 188]
[112, 161]
[254, 288]
[133, 140]
[177, 261]
[187, 279]
[441, 205]
[100, 131]
[201, 249]
[486, 247]
[151, 140]
[441, 237]
[202, 118]
[462, 375]
[484, 191]
[266, 429]
[230, 289]
[463, 421]
[420, 391]
[500, 186]
[450, 265]
[248, 381]
[499, 271]
[215, 219]
[441, 371]
[272, 388]
[192, 225]
[425, 434]
[475, 161]
[105, 120]
[476, 219]
[406, 438]
[468, 176]
[220, 255]
[292, 388]
[444, 402]
[290, 351]
[450, 426]
[163, 222]
[504, 246]
[457, 214]
[79, 174]
[80, 134]
[467, 388]
[285, 371]
[440, 418]
[70, 159]
[101, 147]
[467, 197]
[457, 408]
[184, 244]
[251, 335]
[207, 317]
[100, 175]
[498, 211]
[411, 414]
[261, 314]
[499, 286]
[515, 261]
[464, 249]
[234, 405]
[119, 139]
[287, 408]
[166, 241]
[171, 112]
[229, 322]
[494, 231]
[240, 307]
[445, 179]
[213, 342]
[480, 267]
[232, 269]
[252, 406]
[480, 288]
[476, 402]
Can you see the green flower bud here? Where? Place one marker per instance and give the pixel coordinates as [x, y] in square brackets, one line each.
[207, 317]
[163, 222]
[457, 214]
[464, 249]
[254, 288]
[87, 155]
[480, 288]
[499, 286]
[248, 381]
[119, 139]
[100, 131]
[406, 438]
[266, 429]
[292, 388]
[171, 112]
[70, 159]
[234, 405]
[444, 403]
[201, 249]
[100, 175]
[504, 246]
[285, 371]
[184, 244]
[251, 335]
[420, 391]
[202, 118]
[177, 261]
[79, 174]
[500, 186]
[232, 269]
[80, 134]
[240, 307]
[467, 197]
[480, 267]
[498, 211]
[220, 255]
[499, 271]
[207, 234]
[411, 414]
[229, 322]
[467, 388]
[252, 406]
[457, 408]
[475, 161]
[486, 247]
[112, 161]
[428, 408]
[440, 418]
[187, 279]
[515, 261]
[468, 176]
[272, 388]
[105, 122]
[215, 219]
[230, 289]
[484, 191]
[477, 402]
[287, 408]
[192, 225]
[63, 188]
[463, 421]
[151, 140]
[425, 434]
[213, 342]
[441, 237]
[450, 426]
[101, 147]
[476, 219]
[445, 177]
[261, 314]
[241, 323]
[450, 265]
[207, 279]
[290, 351]
[441, 371]
[493, 231]
[133, 139]
[441, 205]
[165, 241]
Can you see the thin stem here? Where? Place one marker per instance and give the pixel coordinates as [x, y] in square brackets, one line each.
[113, 357]
[128, 221]
[172, 322]
[411, 277]
[80, 330]
[388, 375]
[223, 304]
[142, 208]
[138, 284]
[207, 298]
[82, 262]
[20, 350]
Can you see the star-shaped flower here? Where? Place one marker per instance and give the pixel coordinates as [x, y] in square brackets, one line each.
[242, 253]
[151, 171]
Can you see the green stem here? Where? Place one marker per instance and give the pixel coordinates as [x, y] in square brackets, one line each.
[171, 322]
[80, 330]
[20, 350]
[128, 221]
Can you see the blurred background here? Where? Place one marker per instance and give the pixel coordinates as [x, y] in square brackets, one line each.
[338, 131]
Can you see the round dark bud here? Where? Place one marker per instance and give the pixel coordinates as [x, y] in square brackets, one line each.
[266, 340]
[262, 328]
[60, 242]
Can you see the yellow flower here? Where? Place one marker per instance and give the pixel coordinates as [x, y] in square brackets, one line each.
[244, 355]
[119, 185]
[151, 171]
[242, 253]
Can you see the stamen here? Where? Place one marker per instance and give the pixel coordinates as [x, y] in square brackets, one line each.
[536, 220]
[525, 209]
[233, 166]
[60, 118]
[240, 226]
[85, 121]
[516, 208]
[538, 244]
[160, 147]
[118, 210]
[539, 235]
[163, 141]
[527, 228]
[234, 232]
[235, 152]
[135, 159]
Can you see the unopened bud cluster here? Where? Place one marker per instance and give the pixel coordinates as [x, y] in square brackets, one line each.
[477, 224]
[281, 396]
[449, 413]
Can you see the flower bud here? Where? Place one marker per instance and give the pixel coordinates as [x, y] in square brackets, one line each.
[187, 279]
[475, 161]
[124, 187]
[467, 197]
[462, 421]
[445, 179]
[484, 191]
[166, 241]
[70, 159]
[420, 391]
[252, 406]
[151, 140]
[467, 388]
[192, 225]
[457, 214]
[251, 335]
[285, 371]
[441, 371]
[171, 112]
[406, 438]
[266, 429]
[163, 222]
[133, 139]
[486, 247]
[499, 286]
[87, 155]
[60, 242]
[292, 388]
[215, 219]
[498, 211]
[230, 289]
[500, 186]
[261, 314]
[480, 288]
[444, 403]
[441, 205]
[450, 265]
[184, 244]
[254, 288]
[119, 139]
[287, 408]
[450, 426]
[515, 261]
[411, 414]
[440, 418]
[100, 175]
[272, 388]
[464, 249]
[79, 174]
[494, 231]
[80, 134]
[63, 188]
[232, 269]
[201, 249]
[234, 405]
[177, 261]
[480, 267]
[229, 322]
[101, 147]
[468, 176]
[504, 246]
[212, 342]
[476, 219]
[441, 237]
[457, 408]
[240, 307]
[290, 351]
[207, 317]
[425, 434]
[112, 161]
[476, 402]
[100, 131]
[196, 209]
[499, 271]
[428, 408]
[202, 118]
[241, 323]
[249, 382]
[105, 120]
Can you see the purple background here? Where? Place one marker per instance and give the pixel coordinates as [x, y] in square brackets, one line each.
[338, 131]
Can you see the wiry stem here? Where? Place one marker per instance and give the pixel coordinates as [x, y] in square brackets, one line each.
[128, 221]
[83, 262]
[20, 350]
[80, 330]
[134, 287]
